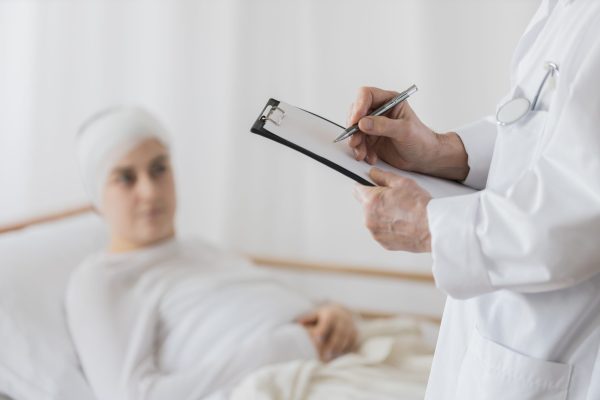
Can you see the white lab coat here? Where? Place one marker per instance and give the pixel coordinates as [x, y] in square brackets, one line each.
[520, 260]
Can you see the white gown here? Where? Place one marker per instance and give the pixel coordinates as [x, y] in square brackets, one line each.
[520, 260]
[179, 321]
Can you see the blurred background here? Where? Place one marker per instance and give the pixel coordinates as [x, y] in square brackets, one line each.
[206, 68]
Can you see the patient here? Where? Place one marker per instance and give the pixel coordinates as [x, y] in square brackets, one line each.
[155, 317]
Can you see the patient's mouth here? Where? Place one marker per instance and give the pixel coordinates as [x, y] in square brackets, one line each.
[152, 213]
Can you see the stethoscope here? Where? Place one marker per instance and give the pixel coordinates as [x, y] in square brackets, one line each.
[517, 108]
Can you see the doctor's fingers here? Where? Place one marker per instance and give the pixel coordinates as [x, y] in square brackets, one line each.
[356, 140]
[349, 115]
[358, 146]
[367, 99]
[372, 149]
[365, 149]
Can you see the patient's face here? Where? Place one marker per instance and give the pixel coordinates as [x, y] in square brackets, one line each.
[139, 198]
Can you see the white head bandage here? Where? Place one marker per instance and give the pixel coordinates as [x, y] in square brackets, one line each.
[108, 136]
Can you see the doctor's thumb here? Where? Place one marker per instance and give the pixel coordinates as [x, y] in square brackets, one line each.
[361, 192]
[384, 178]
[380, 126]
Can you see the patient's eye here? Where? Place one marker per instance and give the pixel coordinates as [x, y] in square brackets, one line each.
[126, 177]
[158, 168]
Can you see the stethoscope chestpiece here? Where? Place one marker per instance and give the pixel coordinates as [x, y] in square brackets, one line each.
[516, 109]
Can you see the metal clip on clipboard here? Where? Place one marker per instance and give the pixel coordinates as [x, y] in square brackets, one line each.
[273, 114]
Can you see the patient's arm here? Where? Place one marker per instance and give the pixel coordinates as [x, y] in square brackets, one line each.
[113, 323]
[332, 330]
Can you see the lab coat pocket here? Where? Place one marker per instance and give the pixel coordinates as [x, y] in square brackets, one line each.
[490, 371]
[516, 150]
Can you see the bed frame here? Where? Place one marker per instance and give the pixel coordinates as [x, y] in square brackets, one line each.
[270, 262]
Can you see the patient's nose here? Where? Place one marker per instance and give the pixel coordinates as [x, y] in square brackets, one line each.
[147, 188]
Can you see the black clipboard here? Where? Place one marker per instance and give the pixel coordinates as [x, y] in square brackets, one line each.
[269, 113]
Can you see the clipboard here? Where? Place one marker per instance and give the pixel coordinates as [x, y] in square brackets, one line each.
[313, 135]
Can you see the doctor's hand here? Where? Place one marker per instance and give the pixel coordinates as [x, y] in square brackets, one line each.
[402, 140]
[332, 330]
[396, 212]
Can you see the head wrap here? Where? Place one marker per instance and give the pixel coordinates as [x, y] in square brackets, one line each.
[108, 136]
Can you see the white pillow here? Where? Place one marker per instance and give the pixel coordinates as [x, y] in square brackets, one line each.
[37, 358]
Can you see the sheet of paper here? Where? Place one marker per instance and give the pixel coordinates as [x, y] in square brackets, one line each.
[316, 135]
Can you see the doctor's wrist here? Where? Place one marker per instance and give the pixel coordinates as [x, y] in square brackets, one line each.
[450, 160]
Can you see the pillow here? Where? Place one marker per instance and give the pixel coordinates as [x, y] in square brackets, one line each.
[37, 358]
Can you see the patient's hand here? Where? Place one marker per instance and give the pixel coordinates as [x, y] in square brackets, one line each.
[332, 330]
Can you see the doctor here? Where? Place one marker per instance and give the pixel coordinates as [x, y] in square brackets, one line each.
[520, 259]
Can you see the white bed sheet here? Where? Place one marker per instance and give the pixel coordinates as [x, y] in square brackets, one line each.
[40, 363]
[393, 362]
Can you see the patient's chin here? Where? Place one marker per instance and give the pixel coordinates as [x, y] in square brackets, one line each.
[151, 231]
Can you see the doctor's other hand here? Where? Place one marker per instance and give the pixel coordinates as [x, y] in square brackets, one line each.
[331, 328]
[402, 140]
[396, 212]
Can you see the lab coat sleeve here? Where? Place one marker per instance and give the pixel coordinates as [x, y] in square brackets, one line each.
[115, 336]
[478, 139]
[542, 234]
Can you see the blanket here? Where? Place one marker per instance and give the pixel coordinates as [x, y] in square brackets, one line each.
[392, 361]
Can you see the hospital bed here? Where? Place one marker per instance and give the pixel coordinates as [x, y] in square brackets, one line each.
[38, 361]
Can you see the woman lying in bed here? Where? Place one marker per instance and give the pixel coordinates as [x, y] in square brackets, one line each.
[155, 317]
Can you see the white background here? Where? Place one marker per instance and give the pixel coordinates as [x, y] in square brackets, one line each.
[206, 68]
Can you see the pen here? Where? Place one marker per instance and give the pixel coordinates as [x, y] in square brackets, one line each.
[380, 111]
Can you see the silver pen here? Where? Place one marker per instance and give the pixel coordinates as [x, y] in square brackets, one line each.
[380, 111]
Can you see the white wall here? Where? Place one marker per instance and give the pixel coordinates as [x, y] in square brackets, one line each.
[207, 68]
[316, 55]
